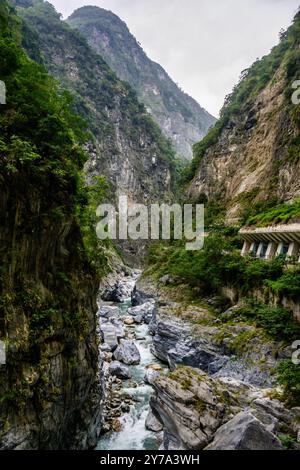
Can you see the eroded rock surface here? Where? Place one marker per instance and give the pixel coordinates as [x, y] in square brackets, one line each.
[244, 432]
[187, 405]
[152, 423]
[201, 412]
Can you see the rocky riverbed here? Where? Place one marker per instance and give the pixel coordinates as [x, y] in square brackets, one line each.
[176, 383]
[129, 368]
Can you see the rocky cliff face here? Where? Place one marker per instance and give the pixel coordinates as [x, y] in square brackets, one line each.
[179, 116]
[126, 145]
[220, 392]
[252, 155]
[50, 387]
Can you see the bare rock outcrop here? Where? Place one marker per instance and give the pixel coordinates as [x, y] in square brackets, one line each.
[244, 432]
[199, 412]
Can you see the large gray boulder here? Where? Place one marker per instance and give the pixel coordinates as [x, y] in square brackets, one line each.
[128, 353]
[274, 408]
[146, 311]
[167, 334]
[174, 344]
[152, 423]
[152, 327]
[138, 319]
[192, 353]
[244, 432]
[139, 297]
[118, 290]
[109, 337]
[119, 370]
[114, 293]
[171, 442]
[187, 406]
[139, 309]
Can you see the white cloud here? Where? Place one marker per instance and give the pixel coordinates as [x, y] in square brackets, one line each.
[202, 44]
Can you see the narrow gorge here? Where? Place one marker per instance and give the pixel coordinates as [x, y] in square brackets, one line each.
[142, 344]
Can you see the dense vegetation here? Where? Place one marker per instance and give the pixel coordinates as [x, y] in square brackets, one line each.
[288, 284]
[50, 262]
[277, 214]
[276, 321]
[219, 263]
[41, 139]
[288, 375]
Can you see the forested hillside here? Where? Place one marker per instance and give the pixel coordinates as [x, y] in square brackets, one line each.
[49, 267]
[179, 116]
[126, 146]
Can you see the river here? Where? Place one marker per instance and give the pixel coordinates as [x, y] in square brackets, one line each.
[133, 434]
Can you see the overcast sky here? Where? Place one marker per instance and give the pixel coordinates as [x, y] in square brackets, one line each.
[202, 44]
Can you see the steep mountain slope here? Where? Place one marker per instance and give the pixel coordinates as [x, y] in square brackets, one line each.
[126, 146]
[179, 115]
[251, 159]
[49, 388]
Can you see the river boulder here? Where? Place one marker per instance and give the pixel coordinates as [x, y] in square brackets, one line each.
[119, 327]
[244, 432]
[119, 290]
[109, 336]
[145, 311]
[150, 376]
[128, 353]
[139, 297]
[138, 319]
[167, 334]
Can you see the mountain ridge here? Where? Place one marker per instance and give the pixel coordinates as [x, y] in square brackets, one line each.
[50, 386]
[181, 118]
[251, 156]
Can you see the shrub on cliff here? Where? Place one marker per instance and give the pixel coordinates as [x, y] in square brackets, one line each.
[218, 264]
[276, 321]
